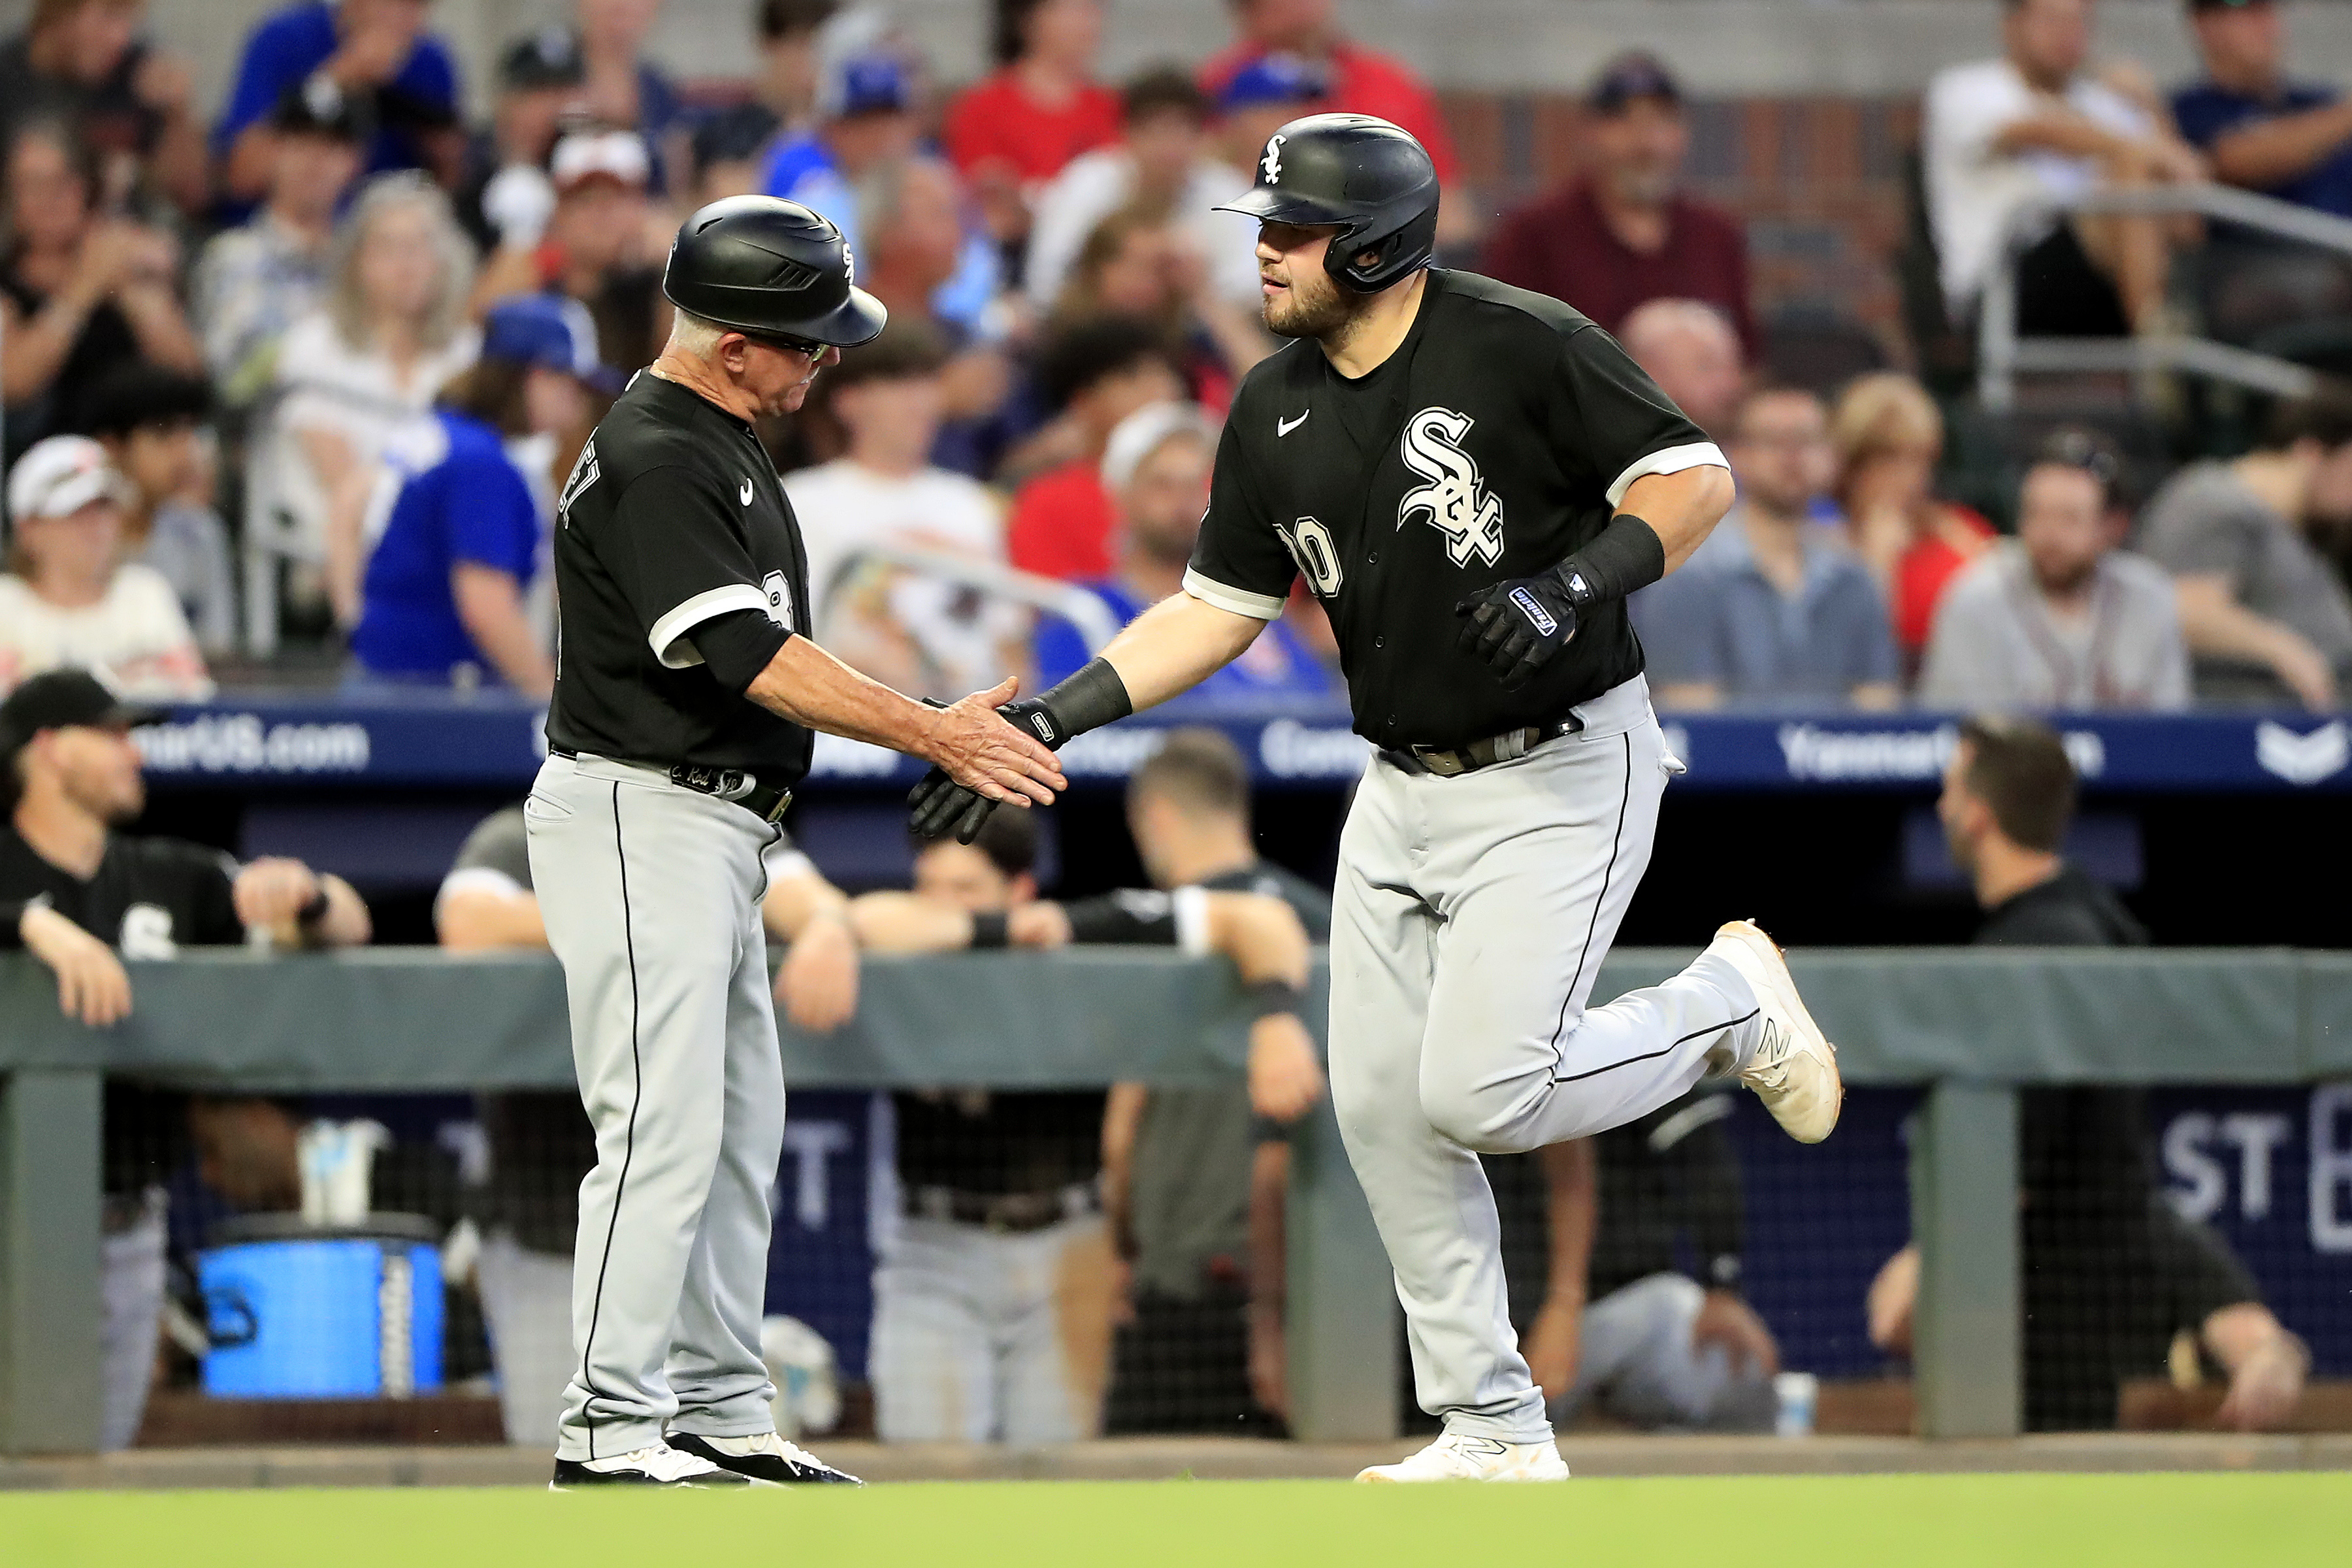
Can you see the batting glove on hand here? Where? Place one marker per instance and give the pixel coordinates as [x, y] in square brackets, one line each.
[1518, 626]
[937, 804]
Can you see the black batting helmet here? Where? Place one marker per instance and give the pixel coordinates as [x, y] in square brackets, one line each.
[1366, 175]
[769, 268]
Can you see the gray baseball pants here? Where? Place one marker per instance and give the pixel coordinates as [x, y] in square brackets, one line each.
[651, 894]
[1471, 916]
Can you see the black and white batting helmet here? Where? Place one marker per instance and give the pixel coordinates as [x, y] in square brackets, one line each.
[770, 269]
[1368, 177]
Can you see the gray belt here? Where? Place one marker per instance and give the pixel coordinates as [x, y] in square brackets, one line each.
[1484, 753]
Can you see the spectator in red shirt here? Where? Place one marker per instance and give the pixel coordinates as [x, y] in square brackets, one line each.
[1620, 233]
[1096, 372]
[1012, 132]
[1363, 81]
[1888, 436]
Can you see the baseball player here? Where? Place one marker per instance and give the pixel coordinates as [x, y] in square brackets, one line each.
[684, 702]
[1471, 477]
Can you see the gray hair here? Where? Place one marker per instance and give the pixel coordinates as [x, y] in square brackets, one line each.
[691, 334]
[347, 306]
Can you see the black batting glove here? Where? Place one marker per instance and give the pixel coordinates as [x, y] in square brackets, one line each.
[1517, 627]
[939, 805]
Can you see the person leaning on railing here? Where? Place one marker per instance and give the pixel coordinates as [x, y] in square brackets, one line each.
[2112, 1276]
[80, 898]
[994, 1304]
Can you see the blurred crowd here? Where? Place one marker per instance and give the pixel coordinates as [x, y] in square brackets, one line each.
[290, 380]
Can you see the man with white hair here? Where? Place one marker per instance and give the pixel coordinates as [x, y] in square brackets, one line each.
[1156, 470]
[1692, 352]
[684, 706]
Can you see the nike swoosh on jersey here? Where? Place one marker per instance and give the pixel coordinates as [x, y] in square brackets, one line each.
[1285, 426]
[746, 492]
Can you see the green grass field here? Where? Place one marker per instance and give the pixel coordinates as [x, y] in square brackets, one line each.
[1902, 1521]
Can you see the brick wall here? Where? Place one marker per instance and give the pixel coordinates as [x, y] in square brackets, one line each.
[1818, 179]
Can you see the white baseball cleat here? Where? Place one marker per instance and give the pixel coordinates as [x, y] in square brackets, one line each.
[1459, 1456]
[1794, 1070]
[658, 1466]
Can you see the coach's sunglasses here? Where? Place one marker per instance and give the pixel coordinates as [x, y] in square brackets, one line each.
[788, 343]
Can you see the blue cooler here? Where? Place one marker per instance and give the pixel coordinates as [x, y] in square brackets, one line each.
[303, 1312]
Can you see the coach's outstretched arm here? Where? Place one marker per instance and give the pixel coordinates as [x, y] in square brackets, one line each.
[966, 741]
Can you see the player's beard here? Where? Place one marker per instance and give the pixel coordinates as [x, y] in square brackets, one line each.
[1312, 306]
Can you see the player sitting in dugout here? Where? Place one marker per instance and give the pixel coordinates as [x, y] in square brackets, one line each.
[541, 1142]
[81, 898]
[1006, 1195]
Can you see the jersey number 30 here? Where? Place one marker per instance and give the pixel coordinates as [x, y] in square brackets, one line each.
[1309, 543]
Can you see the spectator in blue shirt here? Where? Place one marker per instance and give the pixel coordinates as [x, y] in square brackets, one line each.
[1156, 469]
[864, 124]
[1770, 611]
[2288, 139]
[443, 599]
[379, 52]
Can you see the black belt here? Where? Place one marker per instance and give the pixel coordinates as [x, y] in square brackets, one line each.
[1482, 754]
[1015, 1213]
[734, 785]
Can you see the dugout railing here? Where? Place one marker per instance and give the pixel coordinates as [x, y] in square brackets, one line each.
[1964, 1027]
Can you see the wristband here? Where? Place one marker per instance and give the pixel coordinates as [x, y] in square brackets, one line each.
[990, 928]
[1625, 555]
[1268, 997]
[1090, 699]
[312, 913]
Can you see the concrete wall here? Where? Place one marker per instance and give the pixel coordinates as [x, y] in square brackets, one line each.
[1724, 47]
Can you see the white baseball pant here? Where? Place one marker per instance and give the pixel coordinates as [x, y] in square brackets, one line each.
[1471, 916]
[651, 894]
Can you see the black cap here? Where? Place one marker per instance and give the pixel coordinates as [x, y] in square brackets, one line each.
[1632, 76]
[770, 268]
[59, 699]
[1366, 175]
[549, 57]
[319, 107]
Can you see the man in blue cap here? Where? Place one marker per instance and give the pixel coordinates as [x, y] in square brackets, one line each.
[446, 595]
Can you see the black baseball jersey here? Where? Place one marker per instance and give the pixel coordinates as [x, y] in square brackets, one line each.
[1494, 442]
[150, 898]
[672, 516]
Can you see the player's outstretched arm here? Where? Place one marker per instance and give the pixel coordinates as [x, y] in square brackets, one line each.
[1177, 643]
[1171, 648]
[968, 741]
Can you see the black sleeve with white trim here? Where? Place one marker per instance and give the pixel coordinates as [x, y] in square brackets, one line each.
[1613, 413]
[679, 539]
[1240, 562]
[737, 645]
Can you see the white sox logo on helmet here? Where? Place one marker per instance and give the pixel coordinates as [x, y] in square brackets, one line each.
[1456, 500]
[1272, 162]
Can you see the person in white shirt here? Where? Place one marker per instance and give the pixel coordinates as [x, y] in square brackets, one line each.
[2059, 617]
[69, 598]
[1161, 160]
[921, 632]
[2006, 139]
[357, 378]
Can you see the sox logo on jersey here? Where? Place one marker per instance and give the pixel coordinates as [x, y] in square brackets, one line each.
[1455, 501]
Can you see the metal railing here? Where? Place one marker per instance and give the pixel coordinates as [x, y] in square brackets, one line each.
[2003, 356]
[1969, 1026]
